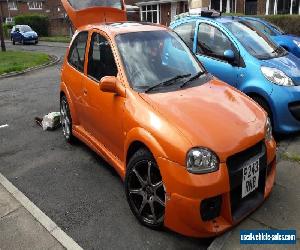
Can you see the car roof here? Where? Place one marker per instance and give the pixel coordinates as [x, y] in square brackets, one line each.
[221, 19]
[123, 27]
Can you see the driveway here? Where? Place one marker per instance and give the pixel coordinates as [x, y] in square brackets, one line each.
[76, 188]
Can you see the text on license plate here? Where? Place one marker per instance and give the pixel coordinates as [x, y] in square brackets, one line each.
[250, 178]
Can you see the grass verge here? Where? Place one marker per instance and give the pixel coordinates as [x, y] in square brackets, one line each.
[14, 61]
[291, 157]
[61, 39]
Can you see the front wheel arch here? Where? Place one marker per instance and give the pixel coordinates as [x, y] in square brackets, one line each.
[263, 103]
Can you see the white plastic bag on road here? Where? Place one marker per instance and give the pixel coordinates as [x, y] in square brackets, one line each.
[50, 121]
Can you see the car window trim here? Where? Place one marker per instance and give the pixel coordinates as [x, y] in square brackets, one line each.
[193, 39]
[88, 52]
[68, 57]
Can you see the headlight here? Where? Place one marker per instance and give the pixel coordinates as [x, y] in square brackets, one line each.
[276, 76]
[297, 43]
[201, 160]
[268, 129]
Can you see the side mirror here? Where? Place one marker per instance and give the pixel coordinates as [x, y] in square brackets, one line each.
[111, 84]
[229, 55]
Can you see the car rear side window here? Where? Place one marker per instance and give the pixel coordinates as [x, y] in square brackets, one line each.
[77, 51]
[186, 31]
[212, 42]
[101, 60]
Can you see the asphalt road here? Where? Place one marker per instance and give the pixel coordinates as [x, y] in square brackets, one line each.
[78, 190]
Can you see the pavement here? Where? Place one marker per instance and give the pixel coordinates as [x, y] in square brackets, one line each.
[25, 226]
[83, 195]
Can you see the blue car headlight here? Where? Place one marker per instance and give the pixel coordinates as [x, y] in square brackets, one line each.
[297, 43]
[276, 76]
[201, 161]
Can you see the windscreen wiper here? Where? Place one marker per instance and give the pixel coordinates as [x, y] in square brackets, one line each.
[277, 50]
[200, 73]
[168, 82]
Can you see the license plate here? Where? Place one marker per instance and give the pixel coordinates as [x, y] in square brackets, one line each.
[250, 178]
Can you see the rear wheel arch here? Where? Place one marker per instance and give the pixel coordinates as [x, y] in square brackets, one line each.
[64, 92]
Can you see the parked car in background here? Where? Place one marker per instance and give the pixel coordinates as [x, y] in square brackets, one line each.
[23, 34]
[247, 59]
[196, 155]
[290, 42]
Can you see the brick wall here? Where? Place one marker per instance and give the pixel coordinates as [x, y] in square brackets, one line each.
[58, 27]
[261, 7]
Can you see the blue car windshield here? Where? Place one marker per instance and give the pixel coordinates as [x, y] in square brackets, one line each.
[24, 28]
[254, 41]
[154, 57]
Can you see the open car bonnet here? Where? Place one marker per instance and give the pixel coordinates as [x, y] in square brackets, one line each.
[94, 11]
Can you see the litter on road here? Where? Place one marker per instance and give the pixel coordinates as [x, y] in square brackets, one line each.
[4, 126]
[50, 121]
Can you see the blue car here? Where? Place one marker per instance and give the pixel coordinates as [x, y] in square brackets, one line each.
[290, 42]
[23, 34]
[237, 53]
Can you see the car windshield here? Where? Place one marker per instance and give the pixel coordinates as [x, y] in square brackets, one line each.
[154, 57]
[254, 41]
[79, 5]
[278, 29]
[24, 28]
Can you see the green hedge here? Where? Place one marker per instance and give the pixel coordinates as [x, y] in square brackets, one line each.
[38, 23]
[288, 23]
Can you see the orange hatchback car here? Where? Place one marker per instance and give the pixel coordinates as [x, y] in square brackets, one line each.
[196, 155]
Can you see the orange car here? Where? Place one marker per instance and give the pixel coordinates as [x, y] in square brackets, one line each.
[196, 155]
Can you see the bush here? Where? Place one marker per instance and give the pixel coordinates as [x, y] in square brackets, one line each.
[7, 28]
[38, 23]
[288, 23]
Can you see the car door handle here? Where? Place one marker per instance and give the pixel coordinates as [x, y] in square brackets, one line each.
[85, 91]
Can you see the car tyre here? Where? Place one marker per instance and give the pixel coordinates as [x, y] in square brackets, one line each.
[144, 188]
[66, 119]
[13, 42]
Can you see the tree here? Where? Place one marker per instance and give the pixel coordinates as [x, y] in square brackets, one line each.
[2, 34]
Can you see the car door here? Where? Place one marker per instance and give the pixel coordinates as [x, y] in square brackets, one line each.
[73, 71]
[17, 36]
[103, 111]
[211, 43]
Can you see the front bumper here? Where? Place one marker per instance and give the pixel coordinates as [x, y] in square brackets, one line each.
[185, 192]
[285, 104]
[30, 39]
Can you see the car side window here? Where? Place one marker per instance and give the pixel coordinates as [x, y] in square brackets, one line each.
[101, 60]
[212, 42]
[77, 51]
[186, 31]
